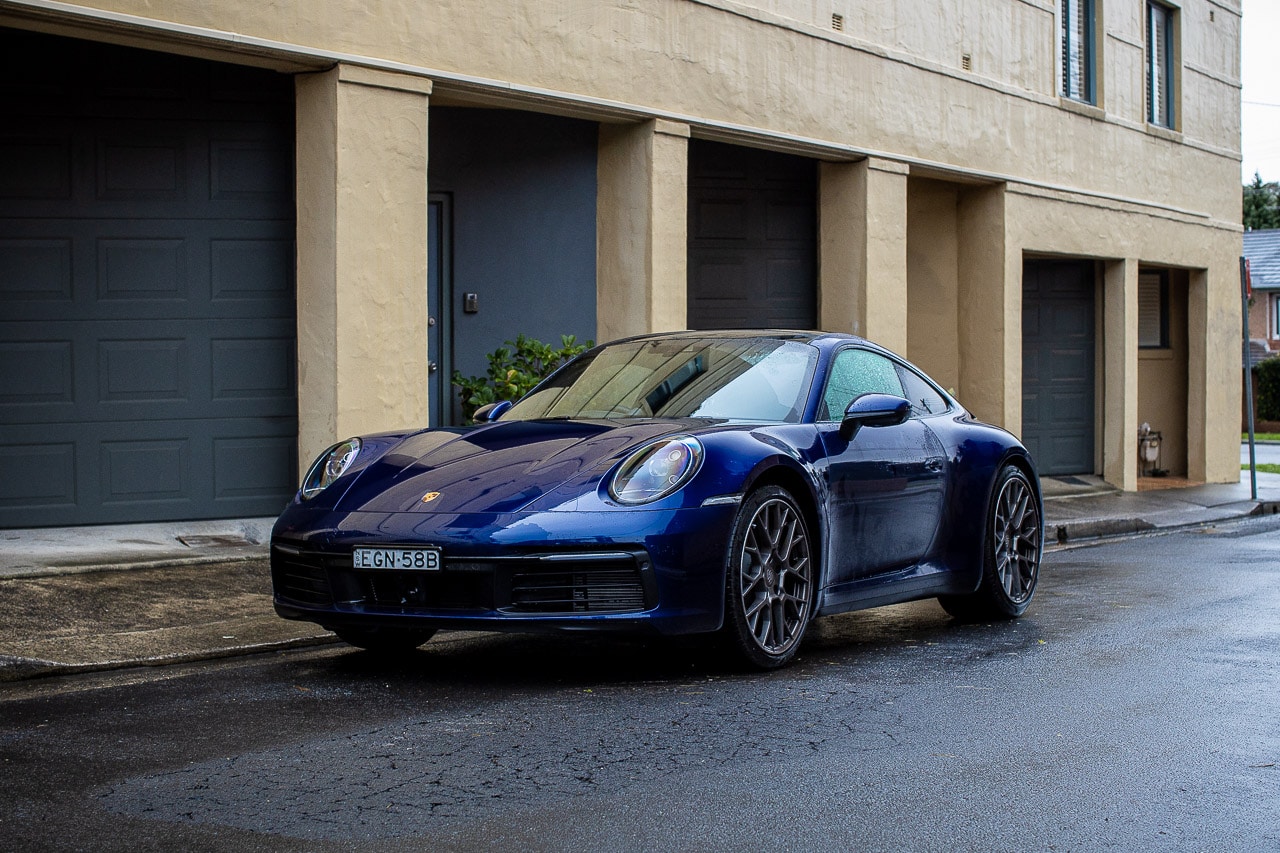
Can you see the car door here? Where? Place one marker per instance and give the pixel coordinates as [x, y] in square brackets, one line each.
[887, 483]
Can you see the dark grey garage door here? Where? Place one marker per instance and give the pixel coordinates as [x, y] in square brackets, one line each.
[752, 239]
[1058, 365]
[146, 286]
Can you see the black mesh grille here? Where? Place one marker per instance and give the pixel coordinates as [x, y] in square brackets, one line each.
[608, 591]
[543, 584]
[301, 578]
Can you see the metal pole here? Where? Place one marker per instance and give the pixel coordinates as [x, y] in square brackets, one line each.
[1248, 382]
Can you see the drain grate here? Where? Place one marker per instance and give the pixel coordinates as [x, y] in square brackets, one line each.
[226, 540]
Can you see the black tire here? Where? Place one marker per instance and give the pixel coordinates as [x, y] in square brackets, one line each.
[387, 641]
[1011, 552]
[770, 579]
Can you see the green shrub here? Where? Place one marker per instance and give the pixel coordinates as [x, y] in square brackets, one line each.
[513, 372]
[1266, 377]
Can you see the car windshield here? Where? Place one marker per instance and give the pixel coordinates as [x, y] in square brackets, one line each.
[749, 379]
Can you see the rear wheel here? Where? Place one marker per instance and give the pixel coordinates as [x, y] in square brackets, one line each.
[385, 640]
[770, 579]
[1011, 553]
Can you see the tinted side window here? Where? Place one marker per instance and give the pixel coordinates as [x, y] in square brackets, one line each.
[925, 399]
[855, 372]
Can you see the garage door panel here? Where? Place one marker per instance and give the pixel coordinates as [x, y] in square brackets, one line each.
[95, 372]
[143, 163]
[67, 269]
[722, 278]
[147, 321]
[786, 280]
[1058, 356]
[158, 471]
[254, 467]
[242, 170]
[142, 269]
[260, 270]
[36, 372]
[721, 219]
[788, 222]
[35, 269]
[154, 470]
[35, 167]
[752, 238]
[38, 476]
[135, 371]
[1070, 366]
[254, 369]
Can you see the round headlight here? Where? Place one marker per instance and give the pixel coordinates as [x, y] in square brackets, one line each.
[329, 466]
[656, 471]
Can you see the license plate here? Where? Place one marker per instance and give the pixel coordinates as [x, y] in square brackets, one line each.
[412, 559]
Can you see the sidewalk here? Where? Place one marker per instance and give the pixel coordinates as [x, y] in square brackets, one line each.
[96, 598]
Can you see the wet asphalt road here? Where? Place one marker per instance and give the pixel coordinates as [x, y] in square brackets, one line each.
[1135, 707]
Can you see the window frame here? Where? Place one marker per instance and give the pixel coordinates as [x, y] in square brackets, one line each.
[1273, 300]
[947, 405]
[1087, 50]
[898, 367]
[1162, 281]
[1161, 68]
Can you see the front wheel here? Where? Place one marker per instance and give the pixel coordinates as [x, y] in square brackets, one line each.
[1011, 553]
[389, 641]
[770, 579]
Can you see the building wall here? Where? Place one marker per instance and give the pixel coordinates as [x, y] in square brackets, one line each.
[920, 119]
[523, 187]
[1261, 325]
[933, 283]
[1162, 382]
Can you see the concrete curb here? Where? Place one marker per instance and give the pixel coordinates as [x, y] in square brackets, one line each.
[1094, 530]
[162, 563]
[14, 669]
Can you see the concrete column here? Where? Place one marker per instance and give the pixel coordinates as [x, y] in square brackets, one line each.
[1198, 420]
[362, 254]
[1214, 379]
[989, 301]
[862, 250]
[1120, 374]
[641, 229]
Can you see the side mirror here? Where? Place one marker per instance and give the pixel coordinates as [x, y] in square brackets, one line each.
[489, 413]
[873, 410]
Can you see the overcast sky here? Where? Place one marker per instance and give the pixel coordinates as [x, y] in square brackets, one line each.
[1260, 73]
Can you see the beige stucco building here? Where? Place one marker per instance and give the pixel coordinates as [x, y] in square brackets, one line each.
[1036, 201]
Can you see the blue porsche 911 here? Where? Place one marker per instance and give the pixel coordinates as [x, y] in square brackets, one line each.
[733, 482]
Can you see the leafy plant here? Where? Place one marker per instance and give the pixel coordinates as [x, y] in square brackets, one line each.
[1267, 379]
[514, 371]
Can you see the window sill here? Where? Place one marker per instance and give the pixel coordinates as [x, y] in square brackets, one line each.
[1082, 108]
[1164, 132]
[1155, 353]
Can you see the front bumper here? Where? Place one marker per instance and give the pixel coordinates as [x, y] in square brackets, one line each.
[564, 571]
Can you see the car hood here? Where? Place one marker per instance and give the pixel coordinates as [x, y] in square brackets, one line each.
[500, 467]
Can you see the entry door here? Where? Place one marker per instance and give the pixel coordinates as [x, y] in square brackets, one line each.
[439, 281]
[1058, 343]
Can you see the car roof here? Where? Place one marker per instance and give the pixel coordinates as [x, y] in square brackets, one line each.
[816, 338]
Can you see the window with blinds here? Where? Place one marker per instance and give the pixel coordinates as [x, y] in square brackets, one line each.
[1153, 311]
[1159, 64]
[1077, 50]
